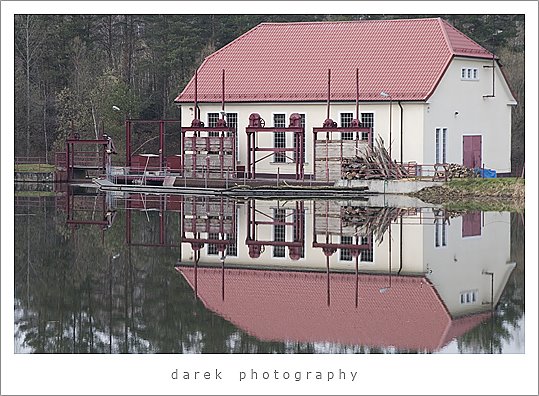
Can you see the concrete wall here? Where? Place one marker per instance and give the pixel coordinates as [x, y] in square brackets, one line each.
[34, 177]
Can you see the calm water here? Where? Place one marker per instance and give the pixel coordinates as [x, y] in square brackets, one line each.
[98, 273]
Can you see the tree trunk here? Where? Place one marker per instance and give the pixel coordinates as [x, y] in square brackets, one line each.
[27, 45]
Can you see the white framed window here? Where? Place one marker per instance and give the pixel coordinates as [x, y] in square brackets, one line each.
[279, 138]
[345, 254]
[440, 238]
[367, 256]
[469, 297]
[441, 146]
[469, 73]
[367, 120]
[279, 232]
[212, 123]
[212, 247]
[346, 121]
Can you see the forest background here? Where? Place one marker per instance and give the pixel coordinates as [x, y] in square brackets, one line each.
[72, 69]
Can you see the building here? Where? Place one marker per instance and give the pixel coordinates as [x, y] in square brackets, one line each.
[431, 93]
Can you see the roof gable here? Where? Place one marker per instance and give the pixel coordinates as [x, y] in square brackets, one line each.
[290, 61]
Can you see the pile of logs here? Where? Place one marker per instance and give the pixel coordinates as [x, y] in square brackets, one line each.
[374, 164]
[377, 220]
[455, 171]
[372, 220]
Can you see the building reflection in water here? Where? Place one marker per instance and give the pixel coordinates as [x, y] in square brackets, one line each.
[285, 271]
[342, 272]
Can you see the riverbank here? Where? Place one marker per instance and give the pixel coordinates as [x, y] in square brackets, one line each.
[477, 194]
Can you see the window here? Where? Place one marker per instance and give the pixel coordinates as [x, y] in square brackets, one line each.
[279, 138]
[346, 254]
[232, 248]
[279, 231]
[468, 73]
[367, 255]
[469, 297]
[212, 247]
[441, 144]
[302, 123]
[367, 120]
[346, 120]
[212, 123]
[232, 121]
[440, 238]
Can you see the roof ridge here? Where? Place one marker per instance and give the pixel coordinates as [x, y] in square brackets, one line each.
[353, 21]
[214, 53]
[232, 42]
[446, 37]
[445, 24]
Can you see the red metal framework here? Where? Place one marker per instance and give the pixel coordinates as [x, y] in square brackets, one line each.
[297, 221]
[257, 125]
[209, 151]
[202, 216]
[85, 159]
[146, 162]
[327, 217]
[85, 208]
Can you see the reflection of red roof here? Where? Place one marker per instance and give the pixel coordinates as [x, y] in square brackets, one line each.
[292, 306]
[289, 61]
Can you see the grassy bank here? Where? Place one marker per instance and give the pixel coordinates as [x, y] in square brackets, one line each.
[32, 168]
[477, 194]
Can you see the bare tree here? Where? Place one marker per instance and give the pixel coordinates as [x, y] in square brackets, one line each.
[28, 44]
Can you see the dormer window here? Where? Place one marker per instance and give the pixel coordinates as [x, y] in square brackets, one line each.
[468, 73]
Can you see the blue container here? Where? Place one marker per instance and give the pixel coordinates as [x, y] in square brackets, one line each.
[485, 173]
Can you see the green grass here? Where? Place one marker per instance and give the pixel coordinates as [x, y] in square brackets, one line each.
[34, 168]
[473, 184]
[35, 193]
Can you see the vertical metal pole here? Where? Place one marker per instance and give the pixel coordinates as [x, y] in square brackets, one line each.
[327, 273]
[357, 94]
[127, 143]
[314, 154]
[68, 162]
[223, 93]
[329, 91]
[196, 102]
[390, 114]
[248, 170]
[296, 154]
[161, 143]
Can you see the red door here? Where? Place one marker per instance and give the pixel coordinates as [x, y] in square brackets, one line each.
[471, 224]
[471, 151]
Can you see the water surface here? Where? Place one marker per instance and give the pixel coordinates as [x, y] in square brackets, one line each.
[113, 273]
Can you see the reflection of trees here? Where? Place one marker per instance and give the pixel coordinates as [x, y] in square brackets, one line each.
[490, 336]
[71, 296]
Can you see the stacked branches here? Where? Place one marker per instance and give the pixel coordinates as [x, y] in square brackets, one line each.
[375, 163]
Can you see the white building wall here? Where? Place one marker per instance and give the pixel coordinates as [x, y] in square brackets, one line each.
[315, 114]
[477, 115]
[458, 266]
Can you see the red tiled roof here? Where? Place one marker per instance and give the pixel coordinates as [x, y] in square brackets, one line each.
[292, 306]
[289, 61]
